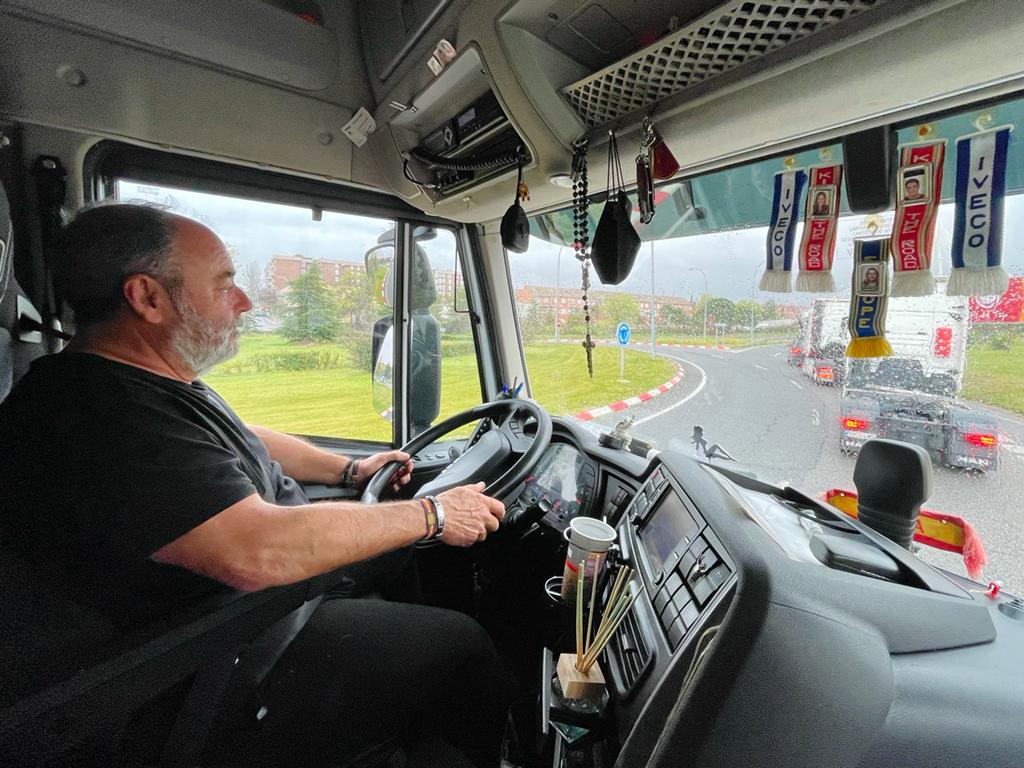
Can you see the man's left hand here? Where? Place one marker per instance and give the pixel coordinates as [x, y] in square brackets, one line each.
[368, 468]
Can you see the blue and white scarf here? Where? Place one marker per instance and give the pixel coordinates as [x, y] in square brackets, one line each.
[789, 187]
[978, 224]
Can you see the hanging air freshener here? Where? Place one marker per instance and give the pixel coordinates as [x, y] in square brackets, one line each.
[663, 163]
[581, 236]
[789, 186]
[920, 188]
[818, 244]
[978, 222]
[868, 298]
[616, 242]
[515, 227]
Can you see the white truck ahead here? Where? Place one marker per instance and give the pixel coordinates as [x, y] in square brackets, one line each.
[912, 396]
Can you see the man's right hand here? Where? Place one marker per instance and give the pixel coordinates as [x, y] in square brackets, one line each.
[469, 515]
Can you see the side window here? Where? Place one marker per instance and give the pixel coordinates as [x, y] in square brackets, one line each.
[304, 359]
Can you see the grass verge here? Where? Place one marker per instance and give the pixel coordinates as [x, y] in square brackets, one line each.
[996, 377]
[337, 401]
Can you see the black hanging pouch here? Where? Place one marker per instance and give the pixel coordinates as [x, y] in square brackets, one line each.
[616, 242]
[515, 227]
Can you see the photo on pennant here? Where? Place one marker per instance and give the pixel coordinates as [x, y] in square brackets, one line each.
[915, 184]
[871, 280]
[821, 201]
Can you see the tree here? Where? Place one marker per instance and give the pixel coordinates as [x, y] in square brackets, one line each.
[250, 280]
[617, 308]
[358, 299]
[310, 309]
[720, 310]
[535, 323]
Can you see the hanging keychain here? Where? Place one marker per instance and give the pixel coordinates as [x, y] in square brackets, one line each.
[644, 180]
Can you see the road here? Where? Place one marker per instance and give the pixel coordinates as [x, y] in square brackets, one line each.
[768, 415]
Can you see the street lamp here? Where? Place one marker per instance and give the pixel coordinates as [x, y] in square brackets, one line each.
[753, 301]
[652, 298]
[698, 269]
[558, 289]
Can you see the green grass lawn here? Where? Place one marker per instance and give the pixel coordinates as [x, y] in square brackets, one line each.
[996, 377]
[337, 401]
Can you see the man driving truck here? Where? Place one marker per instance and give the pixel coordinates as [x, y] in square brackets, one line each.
[137, 490]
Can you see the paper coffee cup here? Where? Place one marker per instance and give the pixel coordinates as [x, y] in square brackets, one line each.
[589, 541]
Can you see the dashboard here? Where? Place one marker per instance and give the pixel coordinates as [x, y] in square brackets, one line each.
[565, 480]
[769, 630]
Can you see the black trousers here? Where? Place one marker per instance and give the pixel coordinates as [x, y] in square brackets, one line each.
[365, 676]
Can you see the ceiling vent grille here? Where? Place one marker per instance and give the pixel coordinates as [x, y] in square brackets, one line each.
[738, 32]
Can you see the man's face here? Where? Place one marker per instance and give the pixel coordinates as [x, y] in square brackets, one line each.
[913, 188]
[208, 302]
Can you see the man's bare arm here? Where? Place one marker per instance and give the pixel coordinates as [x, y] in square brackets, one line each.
[301, 460]
[253, 545]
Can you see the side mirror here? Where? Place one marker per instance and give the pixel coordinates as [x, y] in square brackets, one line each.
[424, 369]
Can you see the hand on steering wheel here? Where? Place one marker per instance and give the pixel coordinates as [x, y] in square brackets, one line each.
[501, 439]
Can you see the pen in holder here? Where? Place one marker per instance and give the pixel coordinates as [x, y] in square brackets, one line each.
[578, 673]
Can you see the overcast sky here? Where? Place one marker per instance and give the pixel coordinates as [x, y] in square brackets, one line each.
[732, 261]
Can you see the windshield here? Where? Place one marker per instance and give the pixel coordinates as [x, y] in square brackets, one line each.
[689, 338]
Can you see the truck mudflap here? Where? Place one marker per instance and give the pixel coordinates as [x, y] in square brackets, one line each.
[972, 441]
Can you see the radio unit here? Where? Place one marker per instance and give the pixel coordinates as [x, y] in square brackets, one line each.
[477, 143]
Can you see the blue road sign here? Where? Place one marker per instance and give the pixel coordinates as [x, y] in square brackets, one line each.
[622, 334]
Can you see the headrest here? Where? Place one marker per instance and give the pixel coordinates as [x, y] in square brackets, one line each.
[6, 248]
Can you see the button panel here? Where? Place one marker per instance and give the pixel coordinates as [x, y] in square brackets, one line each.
[691, 576]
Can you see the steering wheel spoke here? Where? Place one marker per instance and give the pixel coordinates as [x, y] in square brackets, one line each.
[489, 452]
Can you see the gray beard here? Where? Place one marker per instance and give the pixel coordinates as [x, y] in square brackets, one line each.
[201, 344]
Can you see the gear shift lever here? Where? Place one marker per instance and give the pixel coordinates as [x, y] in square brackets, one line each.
[893, 480]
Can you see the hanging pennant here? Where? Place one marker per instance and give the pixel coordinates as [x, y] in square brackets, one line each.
[978, 223]
[868, 299]
[919, 180]
[818, 244]
[789, 186]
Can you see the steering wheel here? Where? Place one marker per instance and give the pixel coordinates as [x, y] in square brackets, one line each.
[496, 440]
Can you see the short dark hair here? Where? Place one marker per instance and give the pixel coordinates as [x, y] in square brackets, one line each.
[105, 244]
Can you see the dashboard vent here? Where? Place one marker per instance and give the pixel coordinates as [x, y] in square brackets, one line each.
[735, 33]
[632, 654]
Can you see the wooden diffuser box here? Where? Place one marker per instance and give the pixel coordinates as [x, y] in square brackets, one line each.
[576, 684]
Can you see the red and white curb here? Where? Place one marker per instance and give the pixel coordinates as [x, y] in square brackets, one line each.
[622, 405]
[640, 346]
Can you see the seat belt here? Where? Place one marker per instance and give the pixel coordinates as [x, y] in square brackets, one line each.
[51, 192]
[226, 686]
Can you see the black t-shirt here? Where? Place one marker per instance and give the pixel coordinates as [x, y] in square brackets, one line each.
[105, 463]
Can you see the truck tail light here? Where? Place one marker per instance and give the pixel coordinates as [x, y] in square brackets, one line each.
[981, 440]
[824, 373]
[943, 342]
[851, 423]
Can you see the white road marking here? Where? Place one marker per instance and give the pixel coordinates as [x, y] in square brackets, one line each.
[815, 417]
[703, 381]
[760, 366]
[797, 384]
[777, 354]
[1016, 450]
[717, 357]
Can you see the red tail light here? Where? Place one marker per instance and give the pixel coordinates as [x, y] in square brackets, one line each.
[823, 373]
[854, 424]
[794, 350]
[981, 440]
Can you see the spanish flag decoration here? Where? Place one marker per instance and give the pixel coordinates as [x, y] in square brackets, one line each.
[978, 223]
[868, 299]
[818, 244]
[920, 190]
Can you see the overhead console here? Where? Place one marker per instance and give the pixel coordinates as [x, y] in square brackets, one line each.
[455, 134]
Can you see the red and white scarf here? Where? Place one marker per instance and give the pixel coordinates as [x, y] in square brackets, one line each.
[821, 216]
[919, 189]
